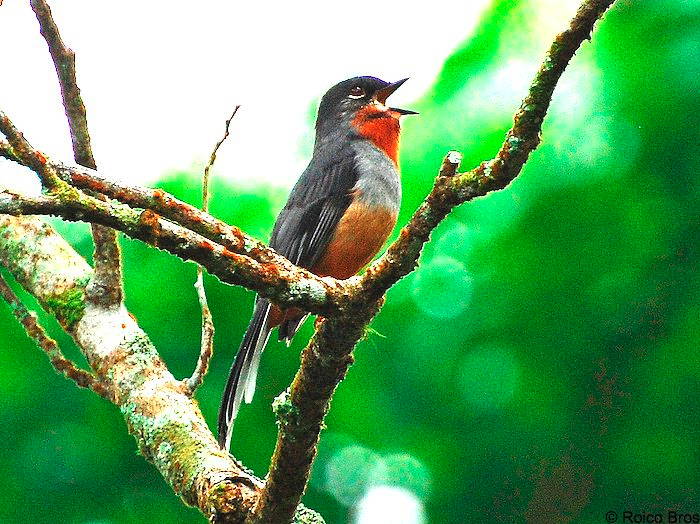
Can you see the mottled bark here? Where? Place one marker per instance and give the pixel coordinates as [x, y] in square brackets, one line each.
[166, 422]
[106, 286]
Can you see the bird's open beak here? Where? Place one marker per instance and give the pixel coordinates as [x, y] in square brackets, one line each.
[385, 92]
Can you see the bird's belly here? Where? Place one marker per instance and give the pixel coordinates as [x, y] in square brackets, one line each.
[359, 236]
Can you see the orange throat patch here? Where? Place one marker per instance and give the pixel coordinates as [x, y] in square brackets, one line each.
[381, 127]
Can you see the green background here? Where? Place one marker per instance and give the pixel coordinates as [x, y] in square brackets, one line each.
[542, 362]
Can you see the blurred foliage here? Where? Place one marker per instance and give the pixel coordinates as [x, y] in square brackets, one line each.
[542, 362]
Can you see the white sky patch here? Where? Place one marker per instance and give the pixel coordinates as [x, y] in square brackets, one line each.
[159, 80]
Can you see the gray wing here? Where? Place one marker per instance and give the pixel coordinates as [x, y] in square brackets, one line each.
[317, 203]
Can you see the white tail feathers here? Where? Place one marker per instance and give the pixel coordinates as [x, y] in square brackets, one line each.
[244, 372]
[250, 379]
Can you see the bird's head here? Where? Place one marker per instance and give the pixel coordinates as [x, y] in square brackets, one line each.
[358, 100]
[360, 104]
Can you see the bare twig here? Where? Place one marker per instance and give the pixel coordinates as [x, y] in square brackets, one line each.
[212, 159]
[106, 287]
[61, 364]
[285, 283]
[207, 344]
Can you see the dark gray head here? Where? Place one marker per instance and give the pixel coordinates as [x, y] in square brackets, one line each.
[345, 99]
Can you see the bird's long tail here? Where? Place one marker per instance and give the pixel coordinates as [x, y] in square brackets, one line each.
[244, 371]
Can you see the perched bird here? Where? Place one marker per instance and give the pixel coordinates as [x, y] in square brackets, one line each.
[339, 214]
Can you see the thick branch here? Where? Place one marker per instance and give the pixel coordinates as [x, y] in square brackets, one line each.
[289, 287]
[106, 286]
[166, 422]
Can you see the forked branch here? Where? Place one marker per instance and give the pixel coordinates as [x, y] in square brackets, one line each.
[61, 364]
[106, 287]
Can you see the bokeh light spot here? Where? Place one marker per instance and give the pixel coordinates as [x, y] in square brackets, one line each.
[489, 378]
[586, 148]
[389, 505]
[349, 473]
[404, 471]
[456, 239]
[442, 288]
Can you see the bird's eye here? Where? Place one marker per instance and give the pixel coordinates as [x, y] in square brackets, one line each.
[357, 92]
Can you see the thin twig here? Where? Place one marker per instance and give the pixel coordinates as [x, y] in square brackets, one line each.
[61, 364]
[19, 149]
[207, 345]
[207, 342]
[212, 159]
[106, 287]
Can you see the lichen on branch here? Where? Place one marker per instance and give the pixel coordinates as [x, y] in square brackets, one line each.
[166, 422]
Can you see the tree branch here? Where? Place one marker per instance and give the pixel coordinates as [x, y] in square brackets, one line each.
[64, 61]
[166, 422]
[293, 287]
[61, 364]
[17, 148]
[169, 207]
[301, 410]
[106, 286]
[302, 288]
[451, 190]
[7, 152]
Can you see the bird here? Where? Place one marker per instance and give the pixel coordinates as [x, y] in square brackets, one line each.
[337, 217]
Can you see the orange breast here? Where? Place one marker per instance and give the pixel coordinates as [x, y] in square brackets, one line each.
[381, 127]
[359, 236]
